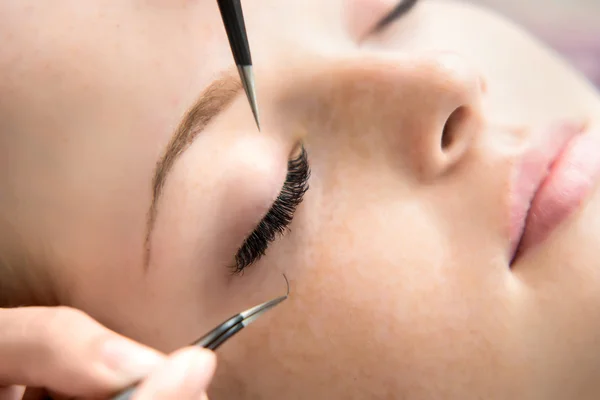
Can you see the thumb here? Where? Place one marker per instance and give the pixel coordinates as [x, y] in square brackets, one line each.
[66, 351]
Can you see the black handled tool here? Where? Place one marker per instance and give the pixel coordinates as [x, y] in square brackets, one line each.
[224, 331]
[233, 19]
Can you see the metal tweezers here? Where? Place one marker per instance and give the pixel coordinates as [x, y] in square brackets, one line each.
[215, 338]
[235, 27]
[223, 332]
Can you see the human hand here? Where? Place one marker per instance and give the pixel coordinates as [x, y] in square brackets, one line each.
[64, 352]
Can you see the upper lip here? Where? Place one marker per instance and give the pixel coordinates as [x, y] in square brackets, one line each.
[531, 170]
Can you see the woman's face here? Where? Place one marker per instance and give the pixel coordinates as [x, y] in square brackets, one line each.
[399, 256]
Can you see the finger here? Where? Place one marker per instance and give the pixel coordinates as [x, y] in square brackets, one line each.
[66, 351]
[185, 375]
[12, 393]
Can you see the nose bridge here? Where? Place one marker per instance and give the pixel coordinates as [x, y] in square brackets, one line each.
[446, 81]
[406, 104]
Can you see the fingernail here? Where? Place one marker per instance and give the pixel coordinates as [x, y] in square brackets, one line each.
[129, 360]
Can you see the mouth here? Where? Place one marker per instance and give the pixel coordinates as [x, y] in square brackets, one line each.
[551, 181]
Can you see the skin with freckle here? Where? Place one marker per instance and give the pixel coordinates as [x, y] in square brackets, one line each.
[399, 256]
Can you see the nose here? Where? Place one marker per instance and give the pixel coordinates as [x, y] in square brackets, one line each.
[422, 113]
[443, 117]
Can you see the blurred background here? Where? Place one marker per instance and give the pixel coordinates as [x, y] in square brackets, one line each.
[572, 27]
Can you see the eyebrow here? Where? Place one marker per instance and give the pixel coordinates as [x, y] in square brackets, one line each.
[213, 100]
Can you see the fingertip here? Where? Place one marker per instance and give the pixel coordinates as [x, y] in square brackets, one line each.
[201, 366]
[205, 363]
[186, 374]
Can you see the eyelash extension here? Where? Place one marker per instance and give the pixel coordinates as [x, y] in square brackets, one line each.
[402, 8]
[280, 215]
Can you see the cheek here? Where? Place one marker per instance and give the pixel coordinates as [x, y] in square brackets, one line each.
[377, 308]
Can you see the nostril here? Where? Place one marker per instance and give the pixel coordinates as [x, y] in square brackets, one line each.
[452, 127]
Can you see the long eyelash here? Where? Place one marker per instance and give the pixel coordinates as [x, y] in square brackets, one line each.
[280, 215]
[402, 8]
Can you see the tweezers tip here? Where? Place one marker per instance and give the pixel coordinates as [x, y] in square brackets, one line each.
[247, 76]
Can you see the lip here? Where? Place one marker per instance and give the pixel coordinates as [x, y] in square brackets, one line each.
[551, 181]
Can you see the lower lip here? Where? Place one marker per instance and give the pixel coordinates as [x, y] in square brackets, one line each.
[569, 182]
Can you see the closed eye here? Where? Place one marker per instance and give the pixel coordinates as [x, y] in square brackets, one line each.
[280, 215]
[403, 7]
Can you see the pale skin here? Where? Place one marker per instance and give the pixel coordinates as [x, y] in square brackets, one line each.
[397, 257]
